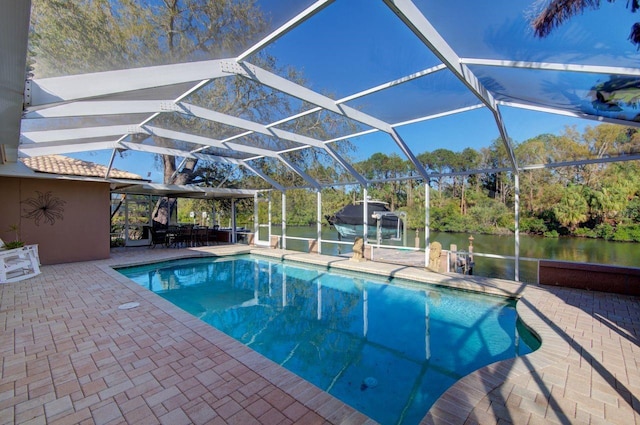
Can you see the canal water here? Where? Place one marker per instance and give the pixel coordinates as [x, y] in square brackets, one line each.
[564, 248]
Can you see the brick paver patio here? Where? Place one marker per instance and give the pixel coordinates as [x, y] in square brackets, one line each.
[69, 355]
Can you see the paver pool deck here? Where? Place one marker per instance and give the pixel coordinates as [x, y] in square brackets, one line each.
[69, 355]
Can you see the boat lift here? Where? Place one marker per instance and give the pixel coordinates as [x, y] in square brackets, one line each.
[402, 218]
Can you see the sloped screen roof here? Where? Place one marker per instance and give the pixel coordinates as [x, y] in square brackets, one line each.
[369, 71]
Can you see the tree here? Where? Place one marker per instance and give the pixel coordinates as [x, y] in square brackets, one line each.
[380, 166]
[569, 146]
[558, 11]
[78, 36]
[497, 183]
[439, 161]
[572, 208]
[533, 182]
[466, 160]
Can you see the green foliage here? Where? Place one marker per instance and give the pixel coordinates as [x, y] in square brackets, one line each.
[13, 244]
[604, 231]
[628, 233]
[584, 232]
[490, 215]
[300, 207]
[16, 230]
[554, 201]
[533, 225]
[632, 212]
[447, 218]
[572, 208]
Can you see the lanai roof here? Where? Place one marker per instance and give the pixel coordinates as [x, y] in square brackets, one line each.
[375, 68]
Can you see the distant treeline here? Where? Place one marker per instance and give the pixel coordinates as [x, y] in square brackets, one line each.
[599, 200]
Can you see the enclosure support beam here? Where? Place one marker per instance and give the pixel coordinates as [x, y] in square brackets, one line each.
[365, 215]
[269, 215]
[256, 224]
[427, 223]
[214, 221]
[113, 157]
[262, 175]
[299, 172]
[55, 90]
[283, 240]
[517, 226]
[234, 236]
[283, 29]
[409, 153]
[319, 222]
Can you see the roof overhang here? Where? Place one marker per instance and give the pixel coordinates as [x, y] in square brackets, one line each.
[181, 191]
[19, 170]
[137, 187]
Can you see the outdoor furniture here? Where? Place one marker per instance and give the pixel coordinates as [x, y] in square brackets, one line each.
[172, 236]
[185, 236]
[201, 236]
[19, 263]
[159, 237]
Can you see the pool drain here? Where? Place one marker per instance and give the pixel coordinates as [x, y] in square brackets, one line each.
[128, 306]
[369, 382]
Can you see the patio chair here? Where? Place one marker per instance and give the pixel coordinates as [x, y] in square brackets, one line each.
[19, 263]
[185, 236]
[159, 237]
[172, 236]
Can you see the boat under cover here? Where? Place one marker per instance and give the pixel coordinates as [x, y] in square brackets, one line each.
[349, 221]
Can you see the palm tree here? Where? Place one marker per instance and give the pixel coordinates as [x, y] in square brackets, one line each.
[558, 11]
[572, 208]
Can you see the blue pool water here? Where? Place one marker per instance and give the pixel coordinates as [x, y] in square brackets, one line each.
[388, 350]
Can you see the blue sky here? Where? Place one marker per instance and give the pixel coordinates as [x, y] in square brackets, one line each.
[356, 44]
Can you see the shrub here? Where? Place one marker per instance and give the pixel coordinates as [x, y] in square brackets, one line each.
[605, 231]
[585, 232]
[630, 233]
[533, 225]
[14, 244]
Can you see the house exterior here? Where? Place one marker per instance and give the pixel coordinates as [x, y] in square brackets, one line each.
[61, 204]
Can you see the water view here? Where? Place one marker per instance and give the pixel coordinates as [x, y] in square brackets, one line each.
[585, 250]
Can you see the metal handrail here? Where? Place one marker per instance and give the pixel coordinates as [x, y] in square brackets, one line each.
[505, 257]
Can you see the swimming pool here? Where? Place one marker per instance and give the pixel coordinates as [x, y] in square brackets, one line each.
[388, 350]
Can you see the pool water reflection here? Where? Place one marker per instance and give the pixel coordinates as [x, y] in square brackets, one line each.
[388, 350]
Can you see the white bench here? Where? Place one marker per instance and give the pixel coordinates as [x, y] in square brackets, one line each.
[19, 263]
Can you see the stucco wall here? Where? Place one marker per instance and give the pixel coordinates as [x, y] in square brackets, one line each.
[69, 220]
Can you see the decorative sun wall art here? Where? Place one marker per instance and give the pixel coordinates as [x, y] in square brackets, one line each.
[45, 207]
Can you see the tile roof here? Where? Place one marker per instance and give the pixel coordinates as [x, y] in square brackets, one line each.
[58, 164]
